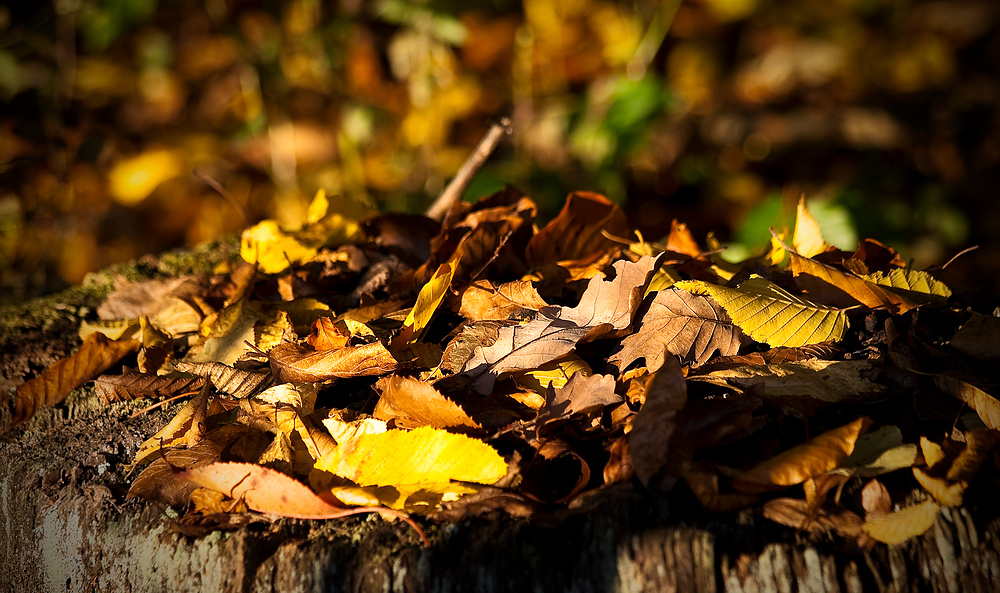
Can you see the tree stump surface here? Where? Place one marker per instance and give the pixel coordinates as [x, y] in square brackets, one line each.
[67, 525]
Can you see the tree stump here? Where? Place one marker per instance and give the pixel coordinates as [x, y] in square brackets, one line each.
[67, 526]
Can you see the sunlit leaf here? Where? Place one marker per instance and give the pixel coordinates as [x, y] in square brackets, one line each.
[482, 302]
[987, 406]
[807, 237]
[804, 461]
[911, 281]
[300, 364]
[411, 403]
[677, 322]
[555, 373]
[768, 313]
[428, 299]
[272, 248]
[897, 527]
[424, 455]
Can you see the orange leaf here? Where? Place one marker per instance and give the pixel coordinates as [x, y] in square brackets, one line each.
[96, 355]
[413, 403]
[805, 461]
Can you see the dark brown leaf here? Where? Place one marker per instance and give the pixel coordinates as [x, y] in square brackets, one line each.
[649, 441]
[234, 382]
[134, 385]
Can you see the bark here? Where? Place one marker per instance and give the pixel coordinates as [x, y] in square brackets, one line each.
[66, 525]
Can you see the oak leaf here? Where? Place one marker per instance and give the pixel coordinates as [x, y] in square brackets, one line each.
[678, 322]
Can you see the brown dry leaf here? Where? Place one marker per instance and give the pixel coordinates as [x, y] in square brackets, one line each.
[979, 337]
[543, 483]
[411, 403]
[987, 406]
[822, 380]
[481, 301]
[828, 285]
[897, 527]
[799, 514]
[677, 322]
[649, 440]
[157, 483]
[581, 394]
[186, 428]
[606, 308]
[978, 445]
[875, 499]
[176, 317]
[704, 484]
[804, 461]
[157, 347]
[577, 232]
[234, 382]
[134, 385]
[266, 490]
[95, 355]
[132, 300]
[300, 364]
[326, 335]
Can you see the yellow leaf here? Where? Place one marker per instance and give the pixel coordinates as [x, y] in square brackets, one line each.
[932, 452]
[113, 329]
[133, 179]
[422, 456]
[770, 314]
[947, 493]
[905, 279]
[805, 461]
[555, 373]
[807, 238]
[896, 528]
[428, 299]
[272, 248]
[987, 406]
[410, 498]
[318, 207]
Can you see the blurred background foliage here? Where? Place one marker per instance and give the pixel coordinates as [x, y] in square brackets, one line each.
[133, 126]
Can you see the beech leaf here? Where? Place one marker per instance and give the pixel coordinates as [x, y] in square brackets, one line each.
[234, 382]
[985, 405]
[770, 314]
[299, 364]
[807, 237]
[134, 385]
[897, 527]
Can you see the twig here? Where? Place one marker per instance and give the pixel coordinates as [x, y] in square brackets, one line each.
[162, 403]
[453, 192]
[960, 254]
[223, 192]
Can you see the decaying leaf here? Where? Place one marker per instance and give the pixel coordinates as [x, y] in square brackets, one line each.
[899, 526]
[770, 314]
[804, 461]
[799, 514]
[677, 322]
[823, 380]
[133, 385]
[94, 356]
[299, 364]
[234, 382]
[581, 394]
[606, 308]
[481, 301]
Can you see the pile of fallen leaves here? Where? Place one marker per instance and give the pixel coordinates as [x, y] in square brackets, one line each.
[481, 363]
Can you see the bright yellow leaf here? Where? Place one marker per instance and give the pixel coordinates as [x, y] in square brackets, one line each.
[770, 314]
[807, 238]
[272, 248]
[133, 179]
[555, 373]
[428, 299]
[422, 456]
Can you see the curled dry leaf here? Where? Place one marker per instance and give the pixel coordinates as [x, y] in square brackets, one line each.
[987, 406]
[481, 301]
[95, 355]
[268, 491]
[578, 231]
[875, 499]
[134, 385]
[299, 364]
[231, 381]
[804, 461]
